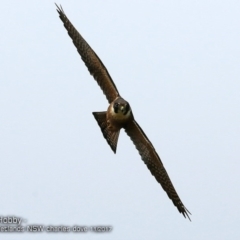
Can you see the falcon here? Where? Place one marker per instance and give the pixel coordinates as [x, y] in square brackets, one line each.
[119, 115]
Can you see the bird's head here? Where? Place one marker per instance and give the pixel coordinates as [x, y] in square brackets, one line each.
[121, 106]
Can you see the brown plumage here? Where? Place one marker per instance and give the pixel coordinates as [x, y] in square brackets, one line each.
[110, 136]
[119, 115]
[90, 58]
[154, 163]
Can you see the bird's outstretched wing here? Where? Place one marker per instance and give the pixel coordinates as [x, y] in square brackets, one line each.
[90, 58]
[154, 164]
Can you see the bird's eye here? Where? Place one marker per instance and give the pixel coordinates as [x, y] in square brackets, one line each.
[126, 107]
[115, 107]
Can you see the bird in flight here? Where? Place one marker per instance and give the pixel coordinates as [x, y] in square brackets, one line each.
[119, 115]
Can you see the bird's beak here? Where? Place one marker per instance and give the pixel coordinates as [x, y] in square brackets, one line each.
[122, 108]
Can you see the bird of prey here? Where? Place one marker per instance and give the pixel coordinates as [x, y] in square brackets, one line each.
[119, 115]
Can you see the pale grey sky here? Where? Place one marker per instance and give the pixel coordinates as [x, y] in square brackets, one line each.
[176, 62]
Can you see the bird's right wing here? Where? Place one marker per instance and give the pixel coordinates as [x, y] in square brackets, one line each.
[90, 58]
[154, 163]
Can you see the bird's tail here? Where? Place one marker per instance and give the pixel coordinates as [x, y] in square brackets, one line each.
[110, 136]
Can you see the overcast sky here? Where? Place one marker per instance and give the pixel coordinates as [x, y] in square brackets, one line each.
[176, 62]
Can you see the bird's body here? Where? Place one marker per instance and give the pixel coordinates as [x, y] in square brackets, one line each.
[119, 115]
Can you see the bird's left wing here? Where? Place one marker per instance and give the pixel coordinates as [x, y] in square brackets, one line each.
[90, 58]
[154, 163]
